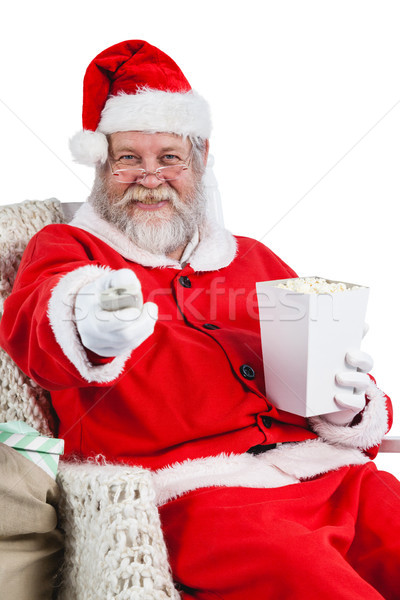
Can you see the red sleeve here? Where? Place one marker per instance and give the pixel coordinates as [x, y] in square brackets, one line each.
[25, 330]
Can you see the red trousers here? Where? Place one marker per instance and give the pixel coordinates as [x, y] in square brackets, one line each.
[334, 537]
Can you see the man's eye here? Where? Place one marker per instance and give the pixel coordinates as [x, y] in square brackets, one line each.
[171, 158]
[127, 157]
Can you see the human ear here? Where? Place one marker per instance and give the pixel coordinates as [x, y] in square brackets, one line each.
[206, 150]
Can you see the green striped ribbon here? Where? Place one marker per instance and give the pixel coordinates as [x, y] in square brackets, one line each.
[43, 451]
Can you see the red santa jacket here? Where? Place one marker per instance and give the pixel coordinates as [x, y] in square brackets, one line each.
[193, 389]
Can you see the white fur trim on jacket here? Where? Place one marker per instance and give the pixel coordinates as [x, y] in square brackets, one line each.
[368, 433]
[284, 465]
[61, 317]
[216, 249]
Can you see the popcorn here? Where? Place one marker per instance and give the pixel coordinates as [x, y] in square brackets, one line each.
[315, 285]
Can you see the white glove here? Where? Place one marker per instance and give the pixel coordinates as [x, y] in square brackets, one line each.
[352, 401]
[111, 333]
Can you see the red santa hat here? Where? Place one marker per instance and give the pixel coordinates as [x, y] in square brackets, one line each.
[134, 86]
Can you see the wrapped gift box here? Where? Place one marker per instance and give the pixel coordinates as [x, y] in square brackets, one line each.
[305, 338]
[43, 451]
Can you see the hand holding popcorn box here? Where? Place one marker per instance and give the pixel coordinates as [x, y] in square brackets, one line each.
[307, 326]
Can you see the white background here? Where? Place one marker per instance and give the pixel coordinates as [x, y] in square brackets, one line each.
[305, 98]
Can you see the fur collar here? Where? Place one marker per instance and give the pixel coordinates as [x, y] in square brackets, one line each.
[216, 249]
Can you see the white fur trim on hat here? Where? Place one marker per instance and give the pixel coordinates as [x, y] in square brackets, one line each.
[150, 111]
[89, 147]
[155, 111]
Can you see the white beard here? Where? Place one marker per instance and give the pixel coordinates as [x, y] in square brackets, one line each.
[157, 232]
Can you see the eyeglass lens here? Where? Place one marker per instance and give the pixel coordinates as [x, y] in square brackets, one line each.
[138, 175]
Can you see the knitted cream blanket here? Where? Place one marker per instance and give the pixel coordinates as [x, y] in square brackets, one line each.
[20, 398]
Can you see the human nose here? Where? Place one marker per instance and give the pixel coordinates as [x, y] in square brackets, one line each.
[150, 180]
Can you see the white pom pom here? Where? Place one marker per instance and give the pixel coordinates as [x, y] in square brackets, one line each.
[89, 147]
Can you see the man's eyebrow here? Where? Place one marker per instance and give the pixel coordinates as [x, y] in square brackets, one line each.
[123, 149]
[171, 149]
[130, 149]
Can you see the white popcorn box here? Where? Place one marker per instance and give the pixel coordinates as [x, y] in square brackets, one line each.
[304, 339]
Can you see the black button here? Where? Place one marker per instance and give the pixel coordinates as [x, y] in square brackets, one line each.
[185, 281]
[210, 326]
[266, 421]
[247, 371]
[261, 448]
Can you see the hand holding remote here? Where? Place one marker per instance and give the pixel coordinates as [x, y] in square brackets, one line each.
[110, 315]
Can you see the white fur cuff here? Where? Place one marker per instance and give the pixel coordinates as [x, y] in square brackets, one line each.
[368, 433]
[61, 317]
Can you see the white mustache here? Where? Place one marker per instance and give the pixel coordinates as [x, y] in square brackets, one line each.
[138, 193]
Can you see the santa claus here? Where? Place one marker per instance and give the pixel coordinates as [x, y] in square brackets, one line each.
[255, 502]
